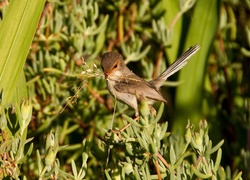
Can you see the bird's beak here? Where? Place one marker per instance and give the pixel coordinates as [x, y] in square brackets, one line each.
[106, 74]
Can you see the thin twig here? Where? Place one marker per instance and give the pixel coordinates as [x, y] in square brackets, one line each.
[163, 160]
[178, 15]
[158, 63]
[157, 169]
[95, 94]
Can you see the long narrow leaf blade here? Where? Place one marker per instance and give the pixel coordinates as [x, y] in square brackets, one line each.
[16, 33]
[189, 95]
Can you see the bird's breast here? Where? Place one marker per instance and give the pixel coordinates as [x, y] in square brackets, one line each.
[127, 98]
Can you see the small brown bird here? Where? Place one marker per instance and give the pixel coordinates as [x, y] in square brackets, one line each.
[127, 87]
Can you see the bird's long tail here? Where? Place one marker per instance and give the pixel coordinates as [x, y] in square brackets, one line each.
[176, 66]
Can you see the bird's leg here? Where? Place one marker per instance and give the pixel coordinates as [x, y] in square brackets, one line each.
[152, 110]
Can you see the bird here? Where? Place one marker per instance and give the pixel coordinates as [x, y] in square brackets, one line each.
[128, 88]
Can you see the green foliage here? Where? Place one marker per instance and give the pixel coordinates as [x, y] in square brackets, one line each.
[76, 130]
[15, 146]
[148, 147]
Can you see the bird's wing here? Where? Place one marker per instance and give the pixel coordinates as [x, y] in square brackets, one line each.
[137, 86]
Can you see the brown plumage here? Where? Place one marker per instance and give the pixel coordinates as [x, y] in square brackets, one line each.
[126, 86]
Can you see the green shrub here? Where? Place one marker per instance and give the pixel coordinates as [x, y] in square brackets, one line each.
[67, 134]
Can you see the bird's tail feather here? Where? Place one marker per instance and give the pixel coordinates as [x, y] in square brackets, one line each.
[176, 66]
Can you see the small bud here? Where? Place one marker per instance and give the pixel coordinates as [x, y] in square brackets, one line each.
[50, 141]
[188, 135]
[26, 112]
[198, 142]
[50, 157]
[143, 107]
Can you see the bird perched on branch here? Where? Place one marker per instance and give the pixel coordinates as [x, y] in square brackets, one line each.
[127, 87]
